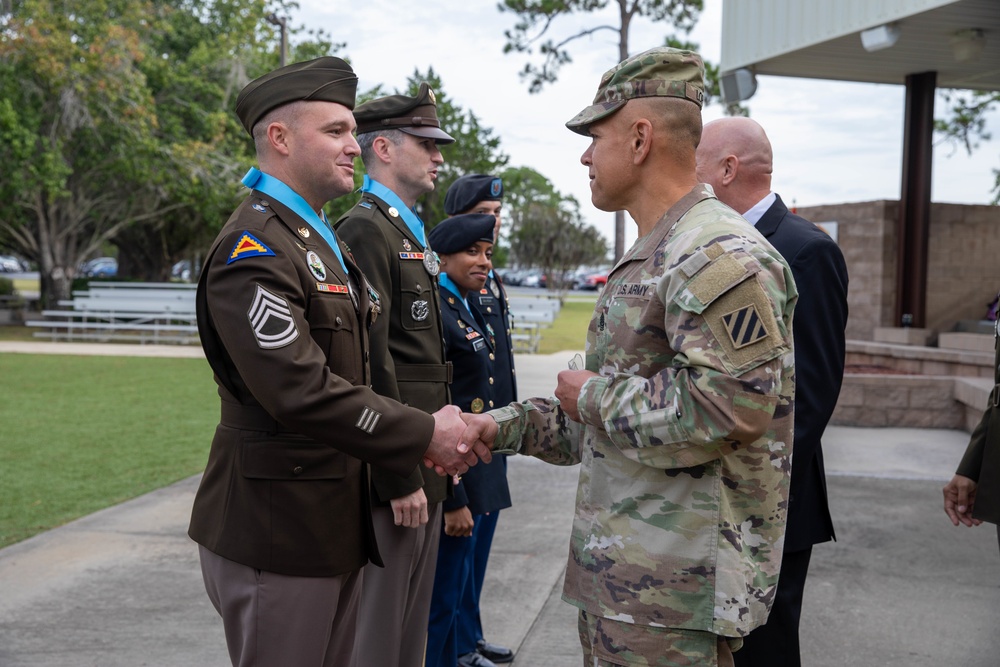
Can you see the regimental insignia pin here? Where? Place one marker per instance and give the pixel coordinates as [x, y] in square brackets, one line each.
[477, 405]
[304, 232]
[316, 265]
[248, 246]
[461, 324]
[451, 300]
[393, 212]
[745, 326]
[495, 289]
[420, 310]
[406, 245]
[259, 208]
[431, 262]
[430, 94]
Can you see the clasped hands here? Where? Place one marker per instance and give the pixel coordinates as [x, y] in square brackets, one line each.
[463, 439]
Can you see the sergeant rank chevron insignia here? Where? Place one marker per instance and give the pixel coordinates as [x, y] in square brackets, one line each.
[271, 320]
[744, 326]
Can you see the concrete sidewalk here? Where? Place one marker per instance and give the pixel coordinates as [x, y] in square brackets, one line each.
[901, 587]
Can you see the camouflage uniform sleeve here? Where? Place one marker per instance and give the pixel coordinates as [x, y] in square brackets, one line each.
[727, 319]
[538, 427]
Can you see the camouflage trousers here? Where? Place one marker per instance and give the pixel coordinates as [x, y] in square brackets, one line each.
[608, 643]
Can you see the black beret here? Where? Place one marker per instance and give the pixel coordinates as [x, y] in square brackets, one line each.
[325, 79]
[471, 189]
[461, 232]
[413, 115]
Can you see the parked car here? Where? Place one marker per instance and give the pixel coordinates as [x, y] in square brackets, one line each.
[10, 264]
[101, 267]
[181, 270]
[533, 278]
[593, 281]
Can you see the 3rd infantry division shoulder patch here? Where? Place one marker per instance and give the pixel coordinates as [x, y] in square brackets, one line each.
[744, 326]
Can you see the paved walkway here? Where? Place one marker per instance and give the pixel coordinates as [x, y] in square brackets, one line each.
[901, 587]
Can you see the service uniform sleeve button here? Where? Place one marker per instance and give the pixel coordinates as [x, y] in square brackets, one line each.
[492, 357]
[297, 470]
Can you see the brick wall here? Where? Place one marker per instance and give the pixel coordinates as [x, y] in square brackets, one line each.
[963, 261]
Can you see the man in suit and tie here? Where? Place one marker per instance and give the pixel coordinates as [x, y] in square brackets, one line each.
[735, 158]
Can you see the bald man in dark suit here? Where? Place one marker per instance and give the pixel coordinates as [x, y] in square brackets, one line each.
[735, 158]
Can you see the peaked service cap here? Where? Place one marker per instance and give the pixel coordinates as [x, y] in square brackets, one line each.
[412, 115]
[659, 72]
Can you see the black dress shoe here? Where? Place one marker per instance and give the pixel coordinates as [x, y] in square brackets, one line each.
[494, 652]
[474, 660]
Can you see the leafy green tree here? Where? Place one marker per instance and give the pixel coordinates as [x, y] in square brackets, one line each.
[76, 130]
[965, 124]
[536, 18]
[546, 229]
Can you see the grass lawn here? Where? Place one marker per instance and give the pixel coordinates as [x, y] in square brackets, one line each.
[569, 331]
[83, 433]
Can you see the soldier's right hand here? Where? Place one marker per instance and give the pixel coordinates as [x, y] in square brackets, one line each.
[447, 452]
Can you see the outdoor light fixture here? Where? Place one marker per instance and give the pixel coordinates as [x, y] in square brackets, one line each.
[737, 85]
[880, 37]
[967, 45]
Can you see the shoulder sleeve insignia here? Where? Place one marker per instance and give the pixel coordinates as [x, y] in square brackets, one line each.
[249, 246]
[271, 320]
[744, 323]
[744, 326]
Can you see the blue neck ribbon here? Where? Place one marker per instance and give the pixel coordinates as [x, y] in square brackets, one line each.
[450, 285]
[410, 217]
[275, 189]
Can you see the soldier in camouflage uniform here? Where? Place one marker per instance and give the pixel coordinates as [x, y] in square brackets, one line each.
[682, 422]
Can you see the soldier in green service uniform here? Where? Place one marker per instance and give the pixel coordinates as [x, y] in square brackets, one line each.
[399, 137]
[682, 420]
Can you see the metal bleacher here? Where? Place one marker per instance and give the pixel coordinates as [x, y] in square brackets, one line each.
[529, 315]
[112, 312]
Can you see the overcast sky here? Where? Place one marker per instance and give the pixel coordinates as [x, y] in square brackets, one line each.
[833, 142]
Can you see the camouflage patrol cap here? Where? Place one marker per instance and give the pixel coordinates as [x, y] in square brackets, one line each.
[325, 79]
[659, 72]
[413, 115]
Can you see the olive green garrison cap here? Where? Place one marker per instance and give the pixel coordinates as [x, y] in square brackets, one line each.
[325, 79]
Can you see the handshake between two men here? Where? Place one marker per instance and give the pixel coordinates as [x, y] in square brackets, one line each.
[462, 439]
